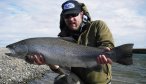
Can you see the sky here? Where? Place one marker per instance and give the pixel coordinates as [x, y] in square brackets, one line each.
[21, 19]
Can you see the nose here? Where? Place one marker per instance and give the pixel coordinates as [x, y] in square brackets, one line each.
[70, 18]
[9, 52]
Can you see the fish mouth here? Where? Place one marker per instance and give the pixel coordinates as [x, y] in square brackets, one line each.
[10, 52]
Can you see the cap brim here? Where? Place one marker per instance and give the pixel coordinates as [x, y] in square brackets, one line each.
[71, 12]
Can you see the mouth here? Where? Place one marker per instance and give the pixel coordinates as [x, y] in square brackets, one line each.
[71, 23]
[9, 52]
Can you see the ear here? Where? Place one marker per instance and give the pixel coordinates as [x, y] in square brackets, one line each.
[82, 13]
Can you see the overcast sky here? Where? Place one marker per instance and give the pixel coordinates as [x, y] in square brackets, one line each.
[20, 19]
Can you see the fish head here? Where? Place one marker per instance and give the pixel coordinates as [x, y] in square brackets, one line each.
[17, 49]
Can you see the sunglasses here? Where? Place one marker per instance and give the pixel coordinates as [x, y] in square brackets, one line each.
[71, 15]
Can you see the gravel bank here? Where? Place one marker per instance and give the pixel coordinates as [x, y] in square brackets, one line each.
[17, 71]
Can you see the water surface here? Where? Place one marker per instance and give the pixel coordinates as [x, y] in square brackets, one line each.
[133, 74]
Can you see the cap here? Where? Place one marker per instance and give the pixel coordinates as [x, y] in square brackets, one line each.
[70, 7]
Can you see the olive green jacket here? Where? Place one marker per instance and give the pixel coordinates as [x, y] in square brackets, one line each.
[97, 34]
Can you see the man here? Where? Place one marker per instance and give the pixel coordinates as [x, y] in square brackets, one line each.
[88, 33]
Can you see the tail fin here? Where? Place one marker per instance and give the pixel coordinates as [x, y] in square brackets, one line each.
[124, 54]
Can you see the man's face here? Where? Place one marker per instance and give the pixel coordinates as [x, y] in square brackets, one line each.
[73, 21]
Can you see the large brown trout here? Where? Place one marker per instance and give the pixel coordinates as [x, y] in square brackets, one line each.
[62, 52]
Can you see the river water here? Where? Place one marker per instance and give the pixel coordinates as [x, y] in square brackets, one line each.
[131, 74]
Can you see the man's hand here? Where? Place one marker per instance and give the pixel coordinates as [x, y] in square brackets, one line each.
[35, 59]
[39, 60]
[102, 59]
